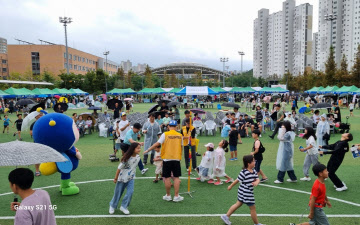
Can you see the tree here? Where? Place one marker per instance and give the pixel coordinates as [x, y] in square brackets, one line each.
[129, 76]
[149, 83]
[167, 80]
[48, 77]
[342, 75]
[174, 80]
[120, 78]
[355, 71]
[330, 68]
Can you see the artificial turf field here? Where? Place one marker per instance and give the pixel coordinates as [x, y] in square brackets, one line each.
[274, 205]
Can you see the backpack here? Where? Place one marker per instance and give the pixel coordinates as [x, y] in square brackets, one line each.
[261, 148]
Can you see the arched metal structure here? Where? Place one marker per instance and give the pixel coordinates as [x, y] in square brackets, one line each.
[187, 68]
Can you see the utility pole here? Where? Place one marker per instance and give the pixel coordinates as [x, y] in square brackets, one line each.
[106, 54]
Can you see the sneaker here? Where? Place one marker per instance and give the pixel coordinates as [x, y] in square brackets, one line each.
[229, 180]
[278, 182]
[291, 181]
[211, 181]
[225, 218]
[260, 135]
[14, 134]
[263, 180]
[343, 188]
[144, 163]
[305, 179]
[111, 210]
[199, 178]
[125, 211]
[235, 159]
[292, 224]
[144, 171]
[178, 198]
[232, 159]
[218, 183]
[198, 154]
[167, 198]
[247, 136]
[271, 137]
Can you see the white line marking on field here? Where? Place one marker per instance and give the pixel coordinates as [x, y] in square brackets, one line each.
[182, 215]
[192, 178]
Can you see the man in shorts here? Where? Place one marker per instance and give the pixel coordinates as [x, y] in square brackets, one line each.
[171, 152]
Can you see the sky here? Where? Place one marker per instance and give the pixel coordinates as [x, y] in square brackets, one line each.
[156, 32]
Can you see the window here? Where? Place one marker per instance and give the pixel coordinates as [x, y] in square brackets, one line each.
[75, 67]
[64, 55]
[65, 65]
[83, 59]
[70, 66]
[4, 70]
[75, 57]
[83, 68]
[87, 61]
[70, 56]
[3, 61]
[35, 63]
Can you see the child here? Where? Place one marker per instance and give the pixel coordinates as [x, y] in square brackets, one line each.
[206, 163]
[124, 178]
[30, 210]
[220, 163]
[312, 156]
[318, 198]
[257, 152]
[6, 123]
[249, 179]
[351, 108]
[88, 124]
[234, 139]
[157, 162]
[18, 123]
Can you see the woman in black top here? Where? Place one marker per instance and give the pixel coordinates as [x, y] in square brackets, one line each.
[339, 149]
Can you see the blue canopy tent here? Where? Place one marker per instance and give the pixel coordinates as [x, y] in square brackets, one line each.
[201, 90]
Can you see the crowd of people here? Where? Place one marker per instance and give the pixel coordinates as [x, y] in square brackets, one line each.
[167, 138]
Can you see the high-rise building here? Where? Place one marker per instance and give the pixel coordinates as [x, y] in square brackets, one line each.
[260, 43]
[302, 39]
[288, 42]
[315, 50]
[339, 27]
[126, 65]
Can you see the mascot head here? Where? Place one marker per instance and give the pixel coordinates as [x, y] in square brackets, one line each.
[56, 130]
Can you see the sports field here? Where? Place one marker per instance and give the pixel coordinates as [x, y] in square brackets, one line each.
[276, 203]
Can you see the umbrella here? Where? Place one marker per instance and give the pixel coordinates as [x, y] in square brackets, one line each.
[230, 104]
[166, 101]
[34, 108]
[304, 109]
[321, 106]
[94, 108]
[304, 94]
[63, 107]
[329, 95]
[57, 96]
[171, 104]
[111, 103]
[25, 102]
[276, 96]
[344, 95]
[198, 111]
[267, 99]
[21, 153]
[86, 115]
[63, 100]
[27, 120]
[153, 108]
[128, 99]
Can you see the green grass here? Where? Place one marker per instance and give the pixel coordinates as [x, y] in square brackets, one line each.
[208, 199]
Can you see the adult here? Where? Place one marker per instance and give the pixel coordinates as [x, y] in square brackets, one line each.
[131, 136]
[171, 148]
[291, 119]
[35, 207]
[164, 107]
[128, 106]
[187, 116]
[116, 111]
[105, 116]
[323, 131]
[124, 127]
[188, 132]
[316, 116]
[285, 155]
[337, 113]
[177, 115]
[74, 117]
[339, 149]
[37, 166]
[259, 117]
[279, 120]
[80, 123]
[95, 114]
[237, 113]
[11, 106]
[151, 129]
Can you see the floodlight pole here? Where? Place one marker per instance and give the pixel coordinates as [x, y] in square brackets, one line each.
[65, 21]
[106, 54]
[224, 60]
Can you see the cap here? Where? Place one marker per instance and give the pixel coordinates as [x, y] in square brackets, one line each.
[122, 114]
[211, 145]
[173, 123]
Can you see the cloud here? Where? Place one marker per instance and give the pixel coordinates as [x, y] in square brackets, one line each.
[156, 32]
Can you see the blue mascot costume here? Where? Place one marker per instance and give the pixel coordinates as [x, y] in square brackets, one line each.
[59, 132]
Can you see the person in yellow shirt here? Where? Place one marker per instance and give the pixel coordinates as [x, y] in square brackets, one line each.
[186, 132]
[171, 151]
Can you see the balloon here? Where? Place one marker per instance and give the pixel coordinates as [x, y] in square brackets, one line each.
[337, 125]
